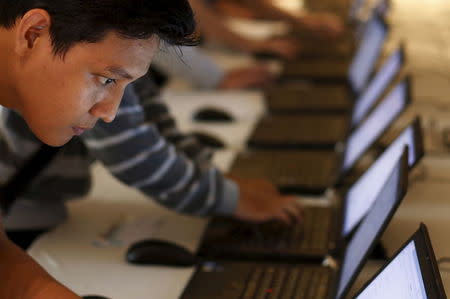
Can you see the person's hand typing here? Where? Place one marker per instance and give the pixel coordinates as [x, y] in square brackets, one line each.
[282, 47]
[260, 201]
[326, 26]
[247, 77]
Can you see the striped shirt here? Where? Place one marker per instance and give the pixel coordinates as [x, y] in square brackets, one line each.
[141, 147]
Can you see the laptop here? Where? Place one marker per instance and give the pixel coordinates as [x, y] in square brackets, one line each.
[322, 227]
[294, 98]
[233, 279]
[274, 131]
[312, 171]
[412, 273]
[343, 70]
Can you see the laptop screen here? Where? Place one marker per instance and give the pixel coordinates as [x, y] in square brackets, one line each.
[402, 278]
[384, 76]
[368, 52]
[379, 120]
[362, 194]
[365, 235]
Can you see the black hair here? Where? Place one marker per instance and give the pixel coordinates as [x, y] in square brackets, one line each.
[75, 21]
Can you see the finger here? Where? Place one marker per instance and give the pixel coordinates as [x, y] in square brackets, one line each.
[294, 211]
[284, 217]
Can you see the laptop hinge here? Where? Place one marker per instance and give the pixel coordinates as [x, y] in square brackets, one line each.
[332, 196]
[330, 262]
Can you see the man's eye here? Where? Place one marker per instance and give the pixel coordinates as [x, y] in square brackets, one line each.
[107, 81]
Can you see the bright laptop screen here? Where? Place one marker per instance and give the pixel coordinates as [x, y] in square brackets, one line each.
[367, 54]
[376, 87]
[372, 127]
[402, 278]
[364, 191]
[370, 227]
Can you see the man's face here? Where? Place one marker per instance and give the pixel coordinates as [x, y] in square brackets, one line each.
[60, 98]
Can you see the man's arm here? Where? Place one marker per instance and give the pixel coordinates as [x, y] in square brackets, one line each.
[136, 154]
[324, 24]
[213, 26]
[196, 67]
[22, 278]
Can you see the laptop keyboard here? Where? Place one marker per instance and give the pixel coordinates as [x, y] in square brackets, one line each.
[300, 130]
[311, 234]
[301, 282]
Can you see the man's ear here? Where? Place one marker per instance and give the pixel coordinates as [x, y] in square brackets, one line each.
[30, 29]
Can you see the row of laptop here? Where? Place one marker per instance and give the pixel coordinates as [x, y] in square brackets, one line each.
[284, 268]
[310, 142]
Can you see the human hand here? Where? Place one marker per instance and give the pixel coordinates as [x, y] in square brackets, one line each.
[260, 201]
[247, 77]
[327, 26]
[282, 47]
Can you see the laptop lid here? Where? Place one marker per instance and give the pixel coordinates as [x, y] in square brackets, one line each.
[369, 50]
[362, 194]
[377, 86]
[368, 233]
[411, 273]
[367, 12]
[375, 124]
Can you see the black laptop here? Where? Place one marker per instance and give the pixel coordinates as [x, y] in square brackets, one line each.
[412, 273]
[343, 70]
[323, 130]
[322, 227]
[312, 171]
[233, 279]
[295, 98]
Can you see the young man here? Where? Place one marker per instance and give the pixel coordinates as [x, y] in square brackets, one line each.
[64, 66]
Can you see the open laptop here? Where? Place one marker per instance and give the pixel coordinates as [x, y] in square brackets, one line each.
[312, 129]
[312, 171]
[233, 279]
[323, 226]
[294, 98]
[343, 70]
[412, 273]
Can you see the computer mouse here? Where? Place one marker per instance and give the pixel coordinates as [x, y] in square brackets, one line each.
[212, 114]
[94, 297]
[160, 252]
[209, 140]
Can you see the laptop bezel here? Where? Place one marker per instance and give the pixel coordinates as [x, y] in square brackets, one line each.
[401, 192]
[343, 173]
[402, 53]
[419, 152]
[386, 29]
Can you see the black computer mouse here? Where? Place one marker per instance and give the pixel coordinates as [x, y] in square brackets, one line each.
[212, 114]
[94, 297]
[209, 140]
[160, 252]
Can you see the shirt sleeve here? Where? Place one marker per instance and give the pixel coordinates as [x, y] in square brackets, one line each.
[134, 151]
[191, 64]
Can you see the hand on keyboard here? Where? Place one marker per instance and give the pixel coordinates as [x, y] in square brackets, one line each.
[261, 201]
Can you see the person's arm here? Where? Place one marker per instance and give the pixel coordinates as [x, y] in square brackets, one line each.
[213, 26]
[326, 25]
[21, 277]
[194, 66]
[135, 153]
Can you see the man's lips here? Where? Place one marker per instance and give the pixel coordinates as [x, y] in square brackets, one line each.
[79, 130]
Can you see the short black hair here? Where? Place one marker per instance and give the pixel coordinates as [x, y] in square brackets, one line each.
[75, 21]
